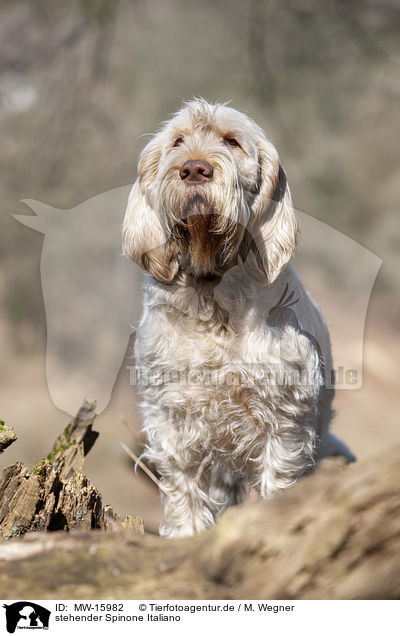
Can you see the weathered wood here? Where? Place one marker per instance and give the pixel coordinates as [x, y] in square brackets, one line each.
[55, 494]
[7, 436]
[113, 522]
[336, 535]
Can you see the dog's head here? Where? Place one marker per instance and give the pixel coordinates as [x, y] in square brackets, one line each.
[209, 189]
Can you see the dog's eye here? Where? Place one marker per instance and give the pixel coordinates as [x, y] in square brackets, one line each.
[177, 142]
[231, 142]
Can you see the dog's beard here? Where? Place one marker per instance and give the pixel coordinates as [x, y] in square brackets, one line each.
[207, 241]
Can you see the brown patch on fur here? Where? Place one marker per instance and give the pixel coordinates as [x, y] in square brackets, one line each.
[208, 243]
[204, 244]
[198, 237]
[161, 263]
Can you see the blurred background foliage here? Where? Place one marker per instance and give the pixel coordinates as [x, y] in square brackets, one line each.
[82, 81]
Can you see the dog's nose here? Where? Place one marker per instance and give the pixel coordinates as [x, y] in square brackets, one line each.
[196, 171]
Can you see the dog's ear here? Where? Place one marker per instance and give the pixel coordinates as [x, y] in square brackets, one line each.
[274, 228]
[143, 239]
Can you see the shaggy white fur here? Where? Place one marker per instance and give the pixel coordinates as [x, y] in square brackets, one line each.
[234, 357]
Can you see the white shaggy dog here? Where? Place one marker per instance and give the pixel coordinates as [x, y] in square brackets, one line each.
[234, 358]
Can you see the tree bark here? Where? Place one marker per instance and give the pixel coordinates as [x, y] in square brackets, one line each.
[7, 436]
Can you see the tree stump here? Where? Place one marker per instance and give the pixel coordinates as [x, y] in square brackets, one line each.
[56, 494]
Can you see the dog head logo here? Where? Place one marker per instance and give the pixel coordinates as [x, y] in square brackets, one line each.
[91, 296]
[26, 615]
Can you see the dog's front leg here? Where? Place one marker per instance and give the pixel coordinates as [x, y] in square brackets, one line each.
[187, 508]
[289, 453]
[184, 470]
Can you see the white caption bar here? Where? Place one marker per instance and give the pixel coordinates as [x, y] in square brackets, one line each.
[176, 617]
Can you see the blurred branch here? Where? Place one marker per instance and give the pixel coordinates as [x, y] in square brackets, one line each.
[102, 47]
[264, 82]
[99, 14]
[43, 52]
[352, 13]
[143, 466]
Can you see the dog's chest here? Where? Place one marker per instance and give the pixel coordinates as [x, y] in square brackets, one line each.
[221, 378]
[200, 337]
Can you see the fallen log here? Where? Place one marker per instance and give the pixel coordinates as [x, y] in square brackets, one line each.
[336, 535]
